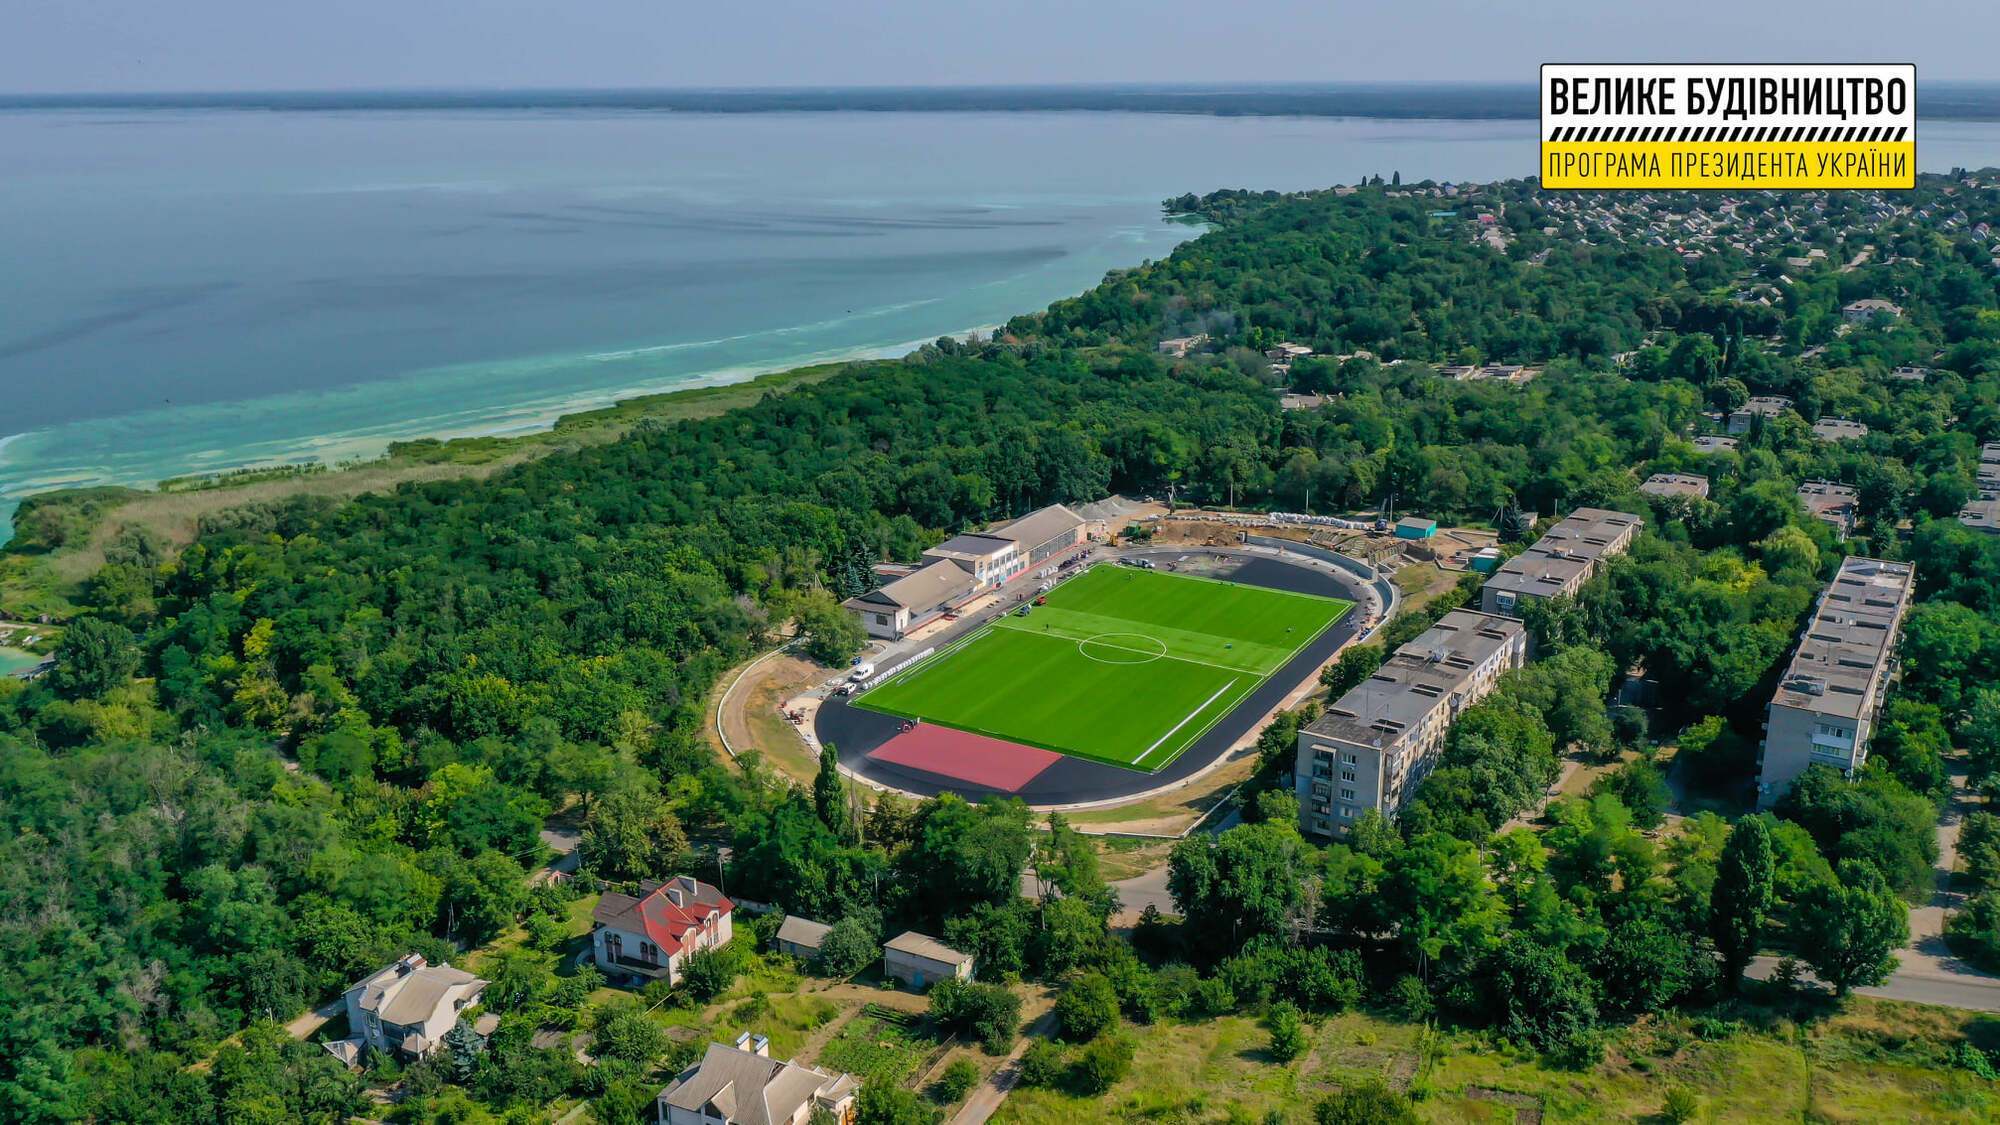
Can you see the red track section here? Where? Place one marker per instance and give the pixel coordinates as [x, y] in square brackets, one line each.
[990, 763]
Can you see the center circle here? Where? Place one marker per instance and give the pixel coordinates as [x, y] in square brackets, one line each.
[1122, 648]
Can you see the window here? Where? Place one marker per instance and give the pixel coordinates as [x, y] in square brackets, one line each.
[1347, 794]
[1346, 814]
[1347, 775]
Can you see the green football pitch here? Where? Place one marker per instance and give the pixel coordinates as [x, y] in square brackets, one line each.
[1124, 666]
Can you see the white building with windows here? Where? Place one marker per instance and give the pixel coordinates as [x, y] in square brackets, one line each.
[965, 566]
[1375, 744]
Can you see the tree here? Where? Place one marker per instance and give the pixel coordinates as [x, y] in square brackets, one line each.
[849, 946]
[1086, 1007]
[630, 834]
[1243, 884]
[1741, 901]
[1847, 930]
[93, 656]
[832, 634]
[631, 1035]
[830, 798]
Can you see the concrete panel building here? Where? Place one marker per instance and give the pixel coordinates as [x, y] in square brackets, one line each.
[1839, 429]
[1835, 505]
[1766, 407]
[1825, 707]
[1562, 560]
[1373, 745]
[1982, 512]
[1675, 484]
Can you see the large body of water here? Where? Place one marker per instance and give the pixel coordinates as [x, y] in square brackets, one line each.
[188, 291]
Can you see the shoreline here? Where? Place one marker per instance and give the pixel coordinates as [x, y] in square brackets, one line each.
[435, 440]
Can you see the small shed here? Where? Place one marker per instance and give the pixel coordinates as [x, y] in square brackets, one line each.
[1486, 560]
[1410, 527]
[800, 937]
[919, 960]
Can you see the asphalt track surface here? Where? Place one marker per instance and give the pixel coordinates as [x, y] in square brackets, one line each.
[1070, 781]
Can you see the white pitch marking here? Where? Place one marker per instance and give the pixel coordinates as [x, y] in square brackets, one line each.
[1190, 718]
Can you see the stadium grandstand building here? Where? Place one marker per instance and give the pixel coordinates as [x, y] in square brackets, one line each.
[965, 566]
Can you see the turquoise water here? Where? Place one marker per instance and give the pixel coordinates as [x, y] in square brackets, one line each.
[196, 290]
[14, 659]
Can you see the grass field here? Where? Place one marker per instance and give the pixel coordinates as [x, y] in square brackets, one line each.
[1122, 665]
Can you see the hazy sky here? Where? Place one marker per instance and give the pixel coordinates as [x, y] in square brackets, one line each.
[117, 45]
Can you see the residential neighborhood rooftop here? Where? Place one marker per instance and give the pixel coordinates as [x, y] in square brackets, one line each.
[1837, 665]
[1423, 675]
[1838, 429]
[1675, 484]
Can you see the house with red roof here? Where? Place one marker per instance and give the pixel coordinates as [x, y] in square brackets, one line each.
[650, 936]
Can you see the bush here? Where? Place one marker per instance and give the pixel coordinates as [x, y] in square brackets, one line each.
[630, 1035]
[1365, 1103]
[1681, 1106]
[957, 1081]
[1413, 999]
[1213, 997]
[707, 974]
[1043, 1065]
[1288, 1032]
[989, 1013]
[1087, 1007]
[1101, 1065]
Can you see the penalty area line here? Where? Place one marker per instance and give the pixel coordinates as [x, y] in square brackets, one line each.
[1184, 721]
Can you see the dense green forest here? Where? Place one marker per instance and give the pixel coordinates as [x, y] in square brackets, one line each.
[327, 733]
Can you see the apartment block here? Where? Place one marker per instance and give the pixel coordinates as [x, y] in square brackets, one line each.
[1826, 703]
[1377, 742]
[1562, 560]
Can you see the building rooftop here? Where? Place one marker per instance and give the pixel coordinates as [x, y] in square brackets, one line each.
[1837, 665]
[1565, 551]
[925, 946]
[1833, 503]
[1982, 514]
[1416, 679]
[747, 1086]
[409, 990]
[1675, 484]
[1770, 406]
[1711, 443]
[940, 582]
[665, 912]
[1038, 527]
[802, 931]
[1838, 429]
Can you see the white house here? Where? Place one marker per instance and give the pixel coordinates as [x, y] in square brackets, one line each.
[920, 961]
[408, 1007]
[743, 1085]
[651, 936]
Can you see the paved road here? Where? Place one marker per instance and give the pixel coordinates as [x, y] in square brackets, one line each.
[1928, 973]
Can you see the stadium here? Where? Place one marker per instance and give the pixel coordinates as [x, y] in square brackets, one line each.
[1121, 680]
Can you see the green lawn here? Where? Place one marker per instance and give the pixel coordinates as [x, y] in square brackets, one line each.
[1122, 665]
